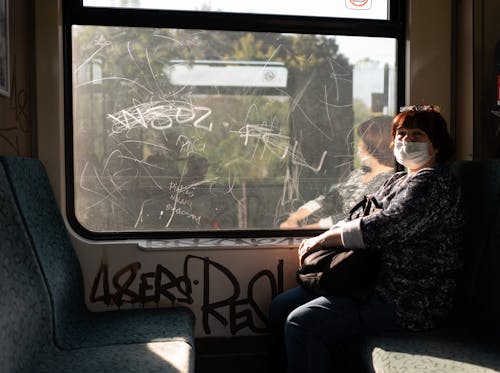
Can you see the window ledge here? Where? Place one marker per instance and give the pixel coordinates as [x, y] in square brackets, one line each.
[221, 243]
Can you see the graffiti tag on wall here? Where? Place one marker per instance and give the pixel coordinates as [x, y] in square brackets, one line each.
[238, 311]
[15, 133]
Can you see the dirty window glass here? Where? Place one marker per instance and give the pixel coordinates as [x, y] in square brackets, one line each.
[193, 130]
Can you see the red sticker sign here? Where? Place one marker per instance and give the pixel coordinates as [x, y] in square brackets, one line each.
[358, 4]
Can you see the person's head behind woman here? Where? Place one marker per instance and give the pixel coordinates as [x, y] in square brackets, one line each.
[428, 119]
[375, 137]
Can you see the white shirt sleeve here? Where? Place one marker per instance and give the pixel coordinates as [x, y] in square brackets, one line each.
[352, 237]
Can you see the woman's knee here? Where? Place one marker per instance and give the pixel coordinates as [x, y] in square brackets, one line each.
[303, 319]
[283, 304]
[328, 319]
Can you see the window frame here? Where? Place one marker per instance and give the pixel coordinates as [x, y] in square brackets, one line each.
[74, 13]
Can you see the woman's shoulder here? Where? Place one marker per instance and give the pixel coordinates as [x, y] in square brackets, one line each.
[439, 172]
[439, 178]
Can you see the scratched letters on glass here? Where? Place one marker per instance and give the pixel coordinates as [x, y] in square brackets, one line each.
[182, 130]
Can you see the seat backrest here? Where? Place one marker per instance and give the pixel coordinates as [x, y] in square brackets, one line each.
[25, 314]
[53, 248]
[479, 295]
[489, 280]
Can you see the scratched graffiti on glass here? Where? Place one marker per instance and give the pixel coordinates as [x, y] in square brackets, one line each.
[179, 130]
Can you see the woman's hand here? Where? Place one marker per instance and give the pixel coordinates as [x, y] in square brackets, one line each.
[330, 238]
[309, 246]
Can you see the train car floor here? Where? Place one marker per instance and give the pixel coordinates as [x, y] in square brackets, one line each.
[233, 355]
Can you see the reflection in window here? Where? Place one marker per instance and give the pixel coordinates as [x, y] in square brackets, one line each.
[189, 130]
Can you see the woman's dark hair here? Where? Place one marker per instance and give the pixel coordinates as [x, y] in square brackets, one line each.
[375, 135]
[433, 124]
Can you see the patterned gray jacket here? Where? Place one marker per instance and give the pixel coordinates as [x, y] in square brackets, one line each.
[418, 234]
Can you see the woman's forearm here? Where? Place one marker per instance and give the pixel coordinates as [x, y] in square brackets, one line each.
[331, 237]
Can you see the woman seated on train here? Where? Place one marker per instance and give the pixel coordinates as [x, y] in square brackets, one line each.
[417, 234]
[376, 165]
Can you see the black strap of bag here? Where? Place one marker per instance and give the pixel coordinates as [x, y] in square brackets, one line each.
[336, 270]
[366, 206]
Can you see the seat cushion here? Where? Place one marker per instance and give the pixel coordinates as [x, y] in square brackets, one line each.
[437, 351]
[165, 357]
[131, 326]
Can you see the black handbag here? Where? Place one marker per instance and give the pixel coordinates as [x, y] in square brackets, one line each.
[336, 270]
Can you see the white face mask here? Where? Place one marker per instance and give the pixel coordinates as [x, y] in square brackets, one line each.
[412, 154]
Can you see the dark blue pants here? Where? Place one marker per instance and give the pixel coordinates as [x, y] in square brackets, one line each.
[306, 328]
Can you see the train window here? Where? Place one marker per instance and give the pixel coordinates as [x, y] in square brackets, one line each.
[315, 8]
[210, 132]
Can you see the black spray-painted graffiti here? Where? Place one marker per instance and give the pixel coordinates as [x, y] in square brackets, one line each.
[15, 132]
[243, 310]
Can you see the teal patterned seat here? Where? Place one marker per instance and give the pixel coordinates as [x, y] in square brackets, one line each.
[25, 320]
[44, 324]
[450, 351]
[164, 357]
[471, 341]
